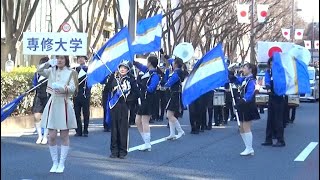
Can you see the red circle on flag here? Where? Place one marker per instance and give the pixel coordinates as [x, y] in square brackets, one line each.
[273, 50]
[285, 33]
[317, 44]
[65, 27]
[299, 33]
[263, 13]
[243, 13]
[308, 44]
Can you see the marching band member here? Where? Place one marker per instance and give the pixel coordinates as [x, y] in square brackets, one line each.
[217, 109]
[39, 102]
[132, 101]
[82, 100]
[174, 105]
[105, 94]
[209, 108]
[59, 112]
[120, 85]
[163, 93]
[197, 113]
[246, 106]
[276, 112]
[148, 86]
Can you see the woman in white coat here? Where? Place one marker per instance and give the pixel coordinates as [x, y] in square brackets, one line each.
[58, 113]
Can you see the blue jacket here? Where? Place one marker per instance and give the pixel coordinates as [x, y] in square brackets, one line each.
[154, 81]
[248, 89]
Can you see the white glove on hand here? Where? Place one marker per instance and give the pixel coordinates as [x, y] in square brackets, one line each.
[56, 86]
[53, 62]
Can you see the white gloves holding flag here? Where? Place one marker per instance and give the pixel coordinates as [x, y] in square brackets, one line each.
[57, 87]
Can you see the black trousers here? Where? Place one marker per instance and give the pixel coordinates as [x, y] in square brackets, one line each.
[163, 97]
[286, 112]
[119, 129]
[275, 121]
[132, 105]
[210, 115]
[218, 118]
[155, 106]
[293, 113]
[82, 103]
[195, 116]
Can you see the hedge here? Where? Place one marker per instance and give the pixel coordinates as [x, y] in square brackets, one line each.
[19, 81]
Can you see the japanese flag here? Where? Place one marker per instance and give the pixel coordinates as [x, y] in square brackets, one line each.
[243, 13]
[286, 33]
[298, 34]
[266, 49]
[307, 44]
[262, 10]
[316, 44]
[124, 11]
[141, 4]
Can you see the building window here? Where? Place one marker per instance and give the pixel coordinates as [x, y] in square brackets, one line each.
[106, 34]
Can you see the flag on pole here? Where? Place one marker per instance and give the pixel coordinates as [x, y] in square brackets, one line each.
[316, 44]
[109, 56]
[107, 112]
[286, 33]
[262, 10]
[307, 44]
[301, 53]
[298, 34]
[210, 72]
[243, 13]
[290, 75]
[266, 49]
[10, 107]
[148, 35]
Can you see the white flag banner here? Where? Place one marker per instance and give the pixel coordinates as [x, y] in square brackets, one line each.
[298, 34]
[307, 44]
[286, 33]
[316, 44]
[52, 43]
[243, 13]
[124, 11]
[262, 10]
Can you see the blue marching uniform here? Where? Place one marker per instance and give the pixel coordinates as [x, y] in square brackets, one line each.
[41, 97]
[174, 83]
[246, 105]
[82, 102]
[147, 86]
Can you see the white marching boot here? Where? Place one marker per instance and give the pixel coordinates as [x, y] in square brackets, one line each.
[147, 144]
[54, 156]
[247, 139]
[63, 156]
[45, 136]
[179, 129]
[172, 135]
[38, 128]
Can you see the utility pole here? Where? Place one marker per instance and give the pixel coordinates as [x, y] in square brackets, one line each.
[292, 21]
[132, 19]
[252, 54]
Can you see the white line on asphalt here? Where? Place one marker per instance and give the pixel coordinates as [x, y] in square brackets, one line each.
[305, 153]
[152, 143]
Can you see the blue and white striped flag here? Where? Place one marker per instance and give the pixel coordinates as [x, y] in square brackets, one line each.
[107, 59]
[148, 35]
[209, 73]
[290, 75]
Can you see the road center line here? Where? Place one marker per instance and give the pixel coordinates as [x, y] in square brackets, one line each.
[305, 153]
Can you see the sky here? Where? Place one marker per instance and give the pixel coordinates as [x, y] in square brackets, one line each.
[309, 8]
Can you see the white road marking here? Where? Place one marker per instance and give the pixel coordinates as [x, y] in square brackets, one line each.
[305, 153]
[152, 143]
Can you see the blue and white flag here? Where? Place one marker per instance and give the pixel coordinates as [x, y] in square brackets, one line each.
[148, 35]
[10, 107]
[290, 75]
[210, 72]
[107, 59]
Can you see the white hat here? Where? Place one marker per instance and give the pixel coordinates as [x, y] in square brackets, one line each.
[124, 63]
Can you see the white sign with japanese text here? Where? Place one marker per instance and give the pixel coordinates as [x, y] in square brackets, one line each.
[48, 43]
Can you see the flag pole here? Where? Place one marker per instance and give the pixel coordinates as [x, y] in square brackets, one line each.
[234, 103]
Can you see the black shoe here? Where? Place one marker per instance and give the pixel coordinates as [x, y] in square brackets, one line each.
[113, 156]
[85, 135]
[122, 157]
[279, 144]
[168, 125]
[266, 143]
[216, 125]
[77, 135]
[201, 130]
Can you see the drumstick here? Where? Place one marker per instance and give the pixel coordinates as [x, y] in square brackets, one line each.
[234, 103]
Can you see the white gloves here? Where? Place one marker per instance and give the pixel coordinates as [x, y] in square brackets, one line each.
[57, 87]
[52, 62]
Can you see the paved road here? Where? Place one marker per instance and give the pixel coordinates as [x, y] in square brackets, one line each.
[210, 155]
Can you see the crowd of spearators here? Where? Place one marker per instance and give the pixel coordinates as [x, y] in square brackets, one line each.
[152, 93]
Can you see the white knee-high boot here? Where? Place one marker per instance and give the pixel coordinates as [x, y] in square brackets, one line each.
[247, 139]
[45, 136]
[38, 128]
[63, 156]
[172, 135]
[54, 157]
[179, 129]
